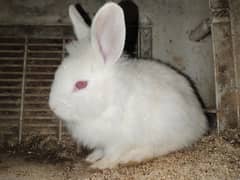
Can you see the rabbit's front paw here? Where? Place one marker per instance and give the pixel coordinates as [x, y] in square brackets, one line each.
[96, 155]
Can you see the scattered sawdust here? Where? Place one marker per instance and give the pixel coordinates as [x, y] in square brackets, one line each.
[42, 149]
[213, 157]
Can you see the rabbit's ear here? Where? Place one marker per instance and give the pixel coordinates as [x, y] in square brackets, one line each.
[81, 29]
[108, 32]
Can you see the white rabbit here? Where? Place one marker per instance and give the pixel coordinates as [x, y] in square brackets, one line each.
[126, 110]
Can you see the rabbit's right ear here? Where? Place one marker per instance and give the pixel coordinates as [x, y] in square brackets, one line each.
[81, 29]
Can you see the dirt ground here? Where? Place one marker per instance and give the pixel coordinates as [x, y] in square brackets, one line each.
[213, 157]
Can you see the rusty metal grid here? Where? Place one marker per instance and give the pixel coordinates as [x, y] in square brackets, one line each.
[28, 61]
[26, 73]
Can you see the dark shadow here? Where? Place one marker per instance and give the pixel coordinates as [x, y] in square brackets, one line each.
[84, 14]
[131, 15]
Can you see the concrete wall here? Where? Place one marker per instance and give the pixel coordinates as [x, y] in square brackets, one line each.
[172, 21]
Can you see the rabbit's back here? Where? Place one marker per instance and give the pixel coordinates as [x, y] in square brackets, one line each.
[159, 105]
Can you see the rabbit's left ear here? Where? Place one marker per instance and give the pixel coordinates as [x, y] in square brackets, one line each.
[81, 29]
[108, 32]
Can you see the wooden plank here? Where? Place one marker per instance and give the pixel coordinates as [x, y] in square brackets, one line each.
[235, 27]
[225, 77]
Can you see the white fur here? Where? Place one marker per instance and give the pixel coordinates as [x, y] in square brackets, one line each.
[131, 109]
[81, 29]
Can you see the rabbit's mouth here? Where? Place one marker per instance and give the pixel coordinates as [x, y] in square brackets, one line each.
[61, 109]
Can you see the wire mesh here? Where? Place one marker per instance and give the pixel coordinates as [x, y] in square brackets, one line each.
[28, 62]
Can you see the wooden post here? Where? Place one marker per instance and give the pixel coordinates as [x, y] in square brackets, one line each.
[225, 66]
[235, 26]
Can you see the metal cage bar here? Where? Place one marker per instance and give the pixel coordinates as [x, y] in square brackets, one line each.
[60, 124]
[29, 74]
[20, 130]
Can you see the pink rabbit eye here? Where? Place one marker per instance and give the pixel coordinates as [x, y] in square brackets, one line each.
[80, 85]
